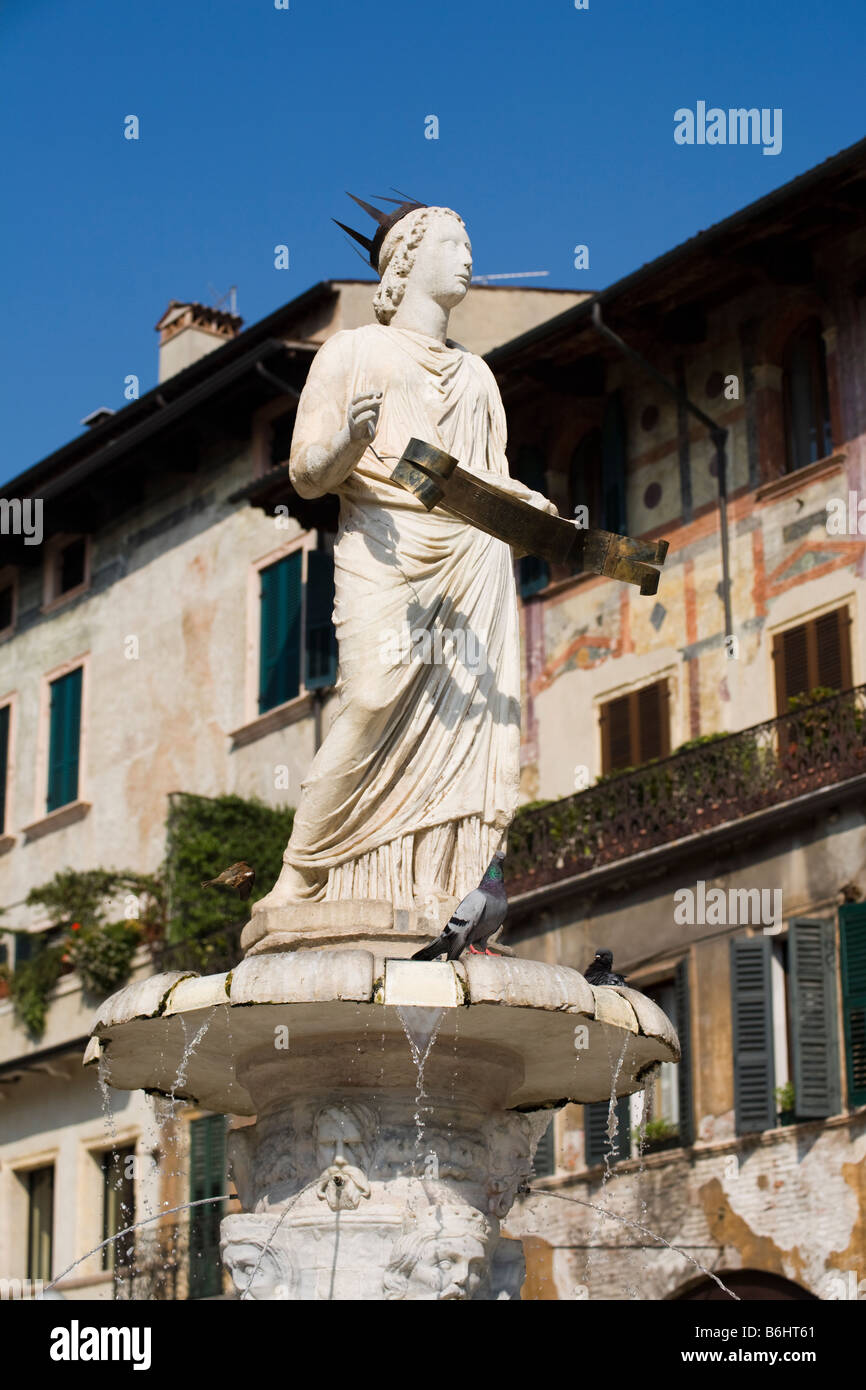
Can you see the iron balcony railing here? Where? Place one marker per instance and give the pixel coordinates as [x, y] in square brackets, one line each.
[698, 788]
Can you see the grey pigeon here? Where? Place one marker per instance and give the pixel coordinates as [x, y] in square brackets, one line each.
[599, 971]
[474, 920]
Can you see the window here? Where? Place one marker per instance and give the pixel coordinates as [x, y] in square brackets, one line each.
[598, 468]
[118, 1206]
[803, 1049]
[296, 632]
[207, 1178]
[67, 566]
[635, 728]
[40, 1222]
[7, 601]
[544, 1162]
[5, 719]
[64, 739]
[814, 654]
[596, 1141]
[282, 429]
[807, 400]
[852, 927]
[533, 573]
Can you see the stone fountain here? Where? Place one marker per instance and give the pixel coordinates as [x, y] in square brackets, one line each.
[398, 1103]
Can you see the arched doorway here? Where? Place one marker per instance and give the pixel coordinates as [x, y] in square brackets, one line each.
[748, 1284]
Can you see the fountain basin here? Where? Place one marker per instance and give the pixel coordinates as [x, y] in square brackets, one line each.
[564, 1035]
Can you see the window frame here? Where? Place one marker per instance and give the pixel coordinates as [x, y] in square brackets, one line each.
[43, 739]
[9, 578]
[52, 597]
[305, 541]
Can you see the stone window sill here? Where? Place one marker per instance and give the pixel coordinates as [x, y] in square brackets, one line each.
[57, 820]
[802, 477]
[277, 718]
[6, 843]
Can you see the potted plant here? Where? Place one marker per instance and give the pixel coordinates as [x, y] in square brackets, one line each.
[659, 1135]
[785, 1104]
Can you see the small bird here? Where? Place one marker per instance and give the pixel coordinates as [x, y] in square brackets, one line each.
[475, 919]
[239, 876]
[599, 972]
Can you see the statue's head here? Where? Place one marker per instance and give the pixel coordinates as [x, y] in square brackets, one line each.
[442, 1255]
[432, 246]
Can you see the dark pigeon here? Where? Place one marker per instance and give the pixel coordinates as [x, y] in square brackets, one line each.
[599, 971]
[474, 920]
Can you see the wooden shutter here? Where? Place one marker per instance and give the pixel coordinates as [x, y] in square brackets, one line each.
[653, 725]
[4, 764]
[596, 1142]
[683, 1008]
[64, 740]
[320, 639]
[812, 976]
[207, 1178]
[752, 1019]
[635, 728]
[280, 632]
[852, 931]
[817, 653]
[613, 454]
[544, 1161]
[616, 742]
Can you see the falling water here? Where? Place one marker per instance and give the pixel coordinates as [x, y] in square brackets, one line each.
[267, 1245]
[636, 1225]
[189, 1049]
[103, 1071]
[421, 1027]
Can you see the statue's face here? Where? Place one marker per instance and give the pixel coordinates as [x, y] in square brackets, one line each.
[443, 262]
[450, 1267]
[255, 1275]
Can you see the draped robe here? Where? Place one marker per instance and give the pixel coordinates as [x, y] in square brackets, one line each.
[416, 781]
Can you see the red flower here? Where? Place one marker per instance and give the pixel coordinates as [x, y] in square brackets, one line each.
[76, 926]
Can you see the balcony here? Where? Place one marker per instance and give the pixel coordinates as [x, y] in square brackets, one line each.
[737, 781]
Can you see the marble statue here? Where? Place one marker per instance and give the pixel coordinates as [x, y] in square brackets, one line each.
[416, 782]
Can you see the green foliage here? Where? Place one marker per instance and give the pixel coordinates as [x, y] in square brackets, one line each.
[657, 1132]
[102, 955]
[205, 836]
[785, 1098]
[32, 982]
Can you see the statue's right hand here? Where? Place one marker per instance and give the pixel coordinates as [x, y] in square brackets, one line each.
[362, 418]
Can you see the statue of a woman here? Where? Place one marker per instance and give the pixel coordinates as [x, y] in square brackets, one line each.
[416, 782]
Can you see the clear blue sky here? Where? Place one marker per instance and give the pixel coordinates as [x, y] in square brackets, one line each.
[556, 128]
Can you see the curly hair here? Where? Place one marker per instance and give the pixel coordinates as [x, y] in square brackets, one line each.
[397, 258]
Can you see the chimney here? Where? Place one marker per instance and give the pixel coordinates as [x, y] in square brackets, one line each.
[188, 331]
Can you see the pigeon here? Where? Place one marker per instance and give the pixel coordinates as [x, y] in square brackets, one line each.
[239, 876]
[599, 972]
[475, 919]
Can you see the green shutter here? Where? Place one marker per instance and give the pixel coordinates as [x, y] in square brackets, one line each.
[752, 1017]
[596, 1142]
[64, 740]
[533, 573]
[207, 1178]
[280, 632]
[4, 764]
[852, 929]
[320, 639]
[613, 467]
[812, 974]
[682, 1005]
[544, 1160]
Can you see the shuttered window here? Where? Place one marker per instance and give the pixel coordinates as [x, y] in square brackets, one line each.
[807, 399]
[852, 931]
[207, 1178]
[752, 1020]
[40, 1222]
[544, 1161]
[635, 728]
[596, 1142]
[118, 1206]
[320, 639]
[5, 713]
[817, 653]
[812, 1002]
[280, 632]
[683, 1022]
[64, 740]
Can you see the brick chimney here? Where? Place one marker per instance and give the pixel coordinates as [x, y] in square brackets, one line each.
[188, 331]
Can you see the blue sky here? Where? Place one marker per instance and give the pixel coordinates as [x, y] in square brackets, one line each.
[555, 128]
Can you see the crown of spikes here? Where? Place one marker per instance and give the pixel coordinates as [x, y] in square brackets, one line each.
[386, 220]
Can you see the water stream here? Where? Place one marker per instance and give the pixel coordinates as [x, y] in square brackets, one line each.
[421, 1026]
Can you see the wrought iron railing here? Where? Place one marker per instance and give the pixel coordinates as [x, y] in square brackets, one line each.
[698, 788]
[174, 1261]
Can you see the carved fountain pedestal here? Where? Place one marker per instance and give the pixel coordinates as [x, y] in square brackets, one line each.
[397, 1103]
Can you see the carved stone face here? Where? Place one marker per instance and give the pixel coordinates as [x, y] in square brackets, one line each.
[449, 1267]
[443, 262]
[339, 1135]
[254, 1275]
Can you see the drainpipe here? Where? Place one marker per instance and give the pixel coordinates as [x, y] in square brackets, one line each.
[717, 433]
